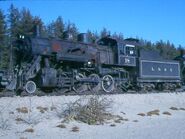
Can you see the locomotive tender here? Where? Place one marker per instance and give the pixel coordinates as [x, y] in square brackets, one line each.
[107, 65]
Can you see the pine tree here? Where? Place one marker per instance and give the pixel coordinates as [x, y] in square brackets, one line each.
[72, 29]
[92, 37]
[166, 49]
[3, 44]
[38, 27]
[104, 33]
[26, 23]
[2, 28]
[14, 22]
[59, 27]
[118, 37]
[50, 29]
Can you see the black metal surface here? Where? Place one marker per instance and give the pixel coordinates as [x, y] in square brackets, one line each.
[159, 69]
[127, 60]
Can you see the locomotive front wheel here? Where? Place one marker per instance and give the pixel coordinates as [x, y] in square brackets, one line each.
[108, 83]
[30, 87]
[96, 85]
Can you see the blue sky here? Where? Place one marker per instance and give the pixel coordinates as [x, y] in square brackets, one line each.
[149, 19]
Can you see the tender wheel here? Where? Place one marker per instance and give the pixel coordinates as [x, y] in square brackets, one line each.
[107, 83]
[30, 87]
[94, 87]
[79, 87]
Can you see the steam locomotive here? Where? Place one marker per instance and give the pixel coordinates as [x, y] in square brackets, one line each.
[108, 65]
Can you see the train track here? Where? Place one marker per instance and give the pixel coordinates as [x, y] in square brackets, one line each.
[5, 93]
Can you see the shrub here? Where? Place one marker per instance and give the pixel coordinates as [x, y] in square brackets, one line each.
[90, 110]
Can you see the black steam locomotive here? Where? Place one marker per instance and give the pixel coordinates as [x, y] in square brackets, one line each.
[81, 65]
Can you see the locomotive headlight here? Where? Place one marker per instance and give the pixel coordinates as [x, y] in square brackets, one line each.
[21, 36]
[89, 62]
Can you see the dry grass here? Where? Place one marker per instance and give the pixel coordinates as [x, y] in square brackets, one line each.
[61, 126]
[117, 121]
[22, 110]
[91, 110]
[18, 119]
[52, 108]
[174, 108]
[167, 113]
[75, 129]
[11, 112]
[112, 125]
[23, 138]
[141, 114]
[123, 113]
[125, 119]
[154, 112]
[183, 109]
[42, 109]
[119, 117]
[30, 130]
[31, 118]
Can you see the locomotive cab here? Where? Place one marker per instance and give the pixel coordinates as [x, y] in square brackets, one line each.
[126, 54]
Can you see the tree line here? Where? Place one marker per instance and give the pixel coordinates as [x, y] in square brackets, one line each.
[21, 21]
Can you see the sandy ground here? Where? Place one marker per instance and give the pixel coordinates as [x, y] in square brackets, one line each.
[165, 119]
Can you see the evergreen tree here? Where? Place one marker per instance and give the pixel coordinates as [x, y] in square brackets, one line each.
[51, 29]
[159, 47]
[118, 37]
[3, 44]
[104, 33]
[59, 27]
[38, 27]
[72, 29]
[180, 50]
[2, 28]
[167, 50]
[14, 21]
[26, 23]
[92, 37]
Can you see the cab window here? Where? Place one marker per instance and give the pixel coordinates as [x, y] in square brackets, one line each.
[130, 50]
